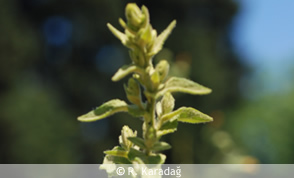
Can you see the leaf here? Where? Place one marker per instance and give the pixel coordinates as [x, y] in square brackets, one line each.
[161, 38]
[167, 128]
[107, 109]
[133, 153]
[135, 111]
[168, 103]
[152, 159]
[123, 138]
[162, 68]
[124, 71]
[156, 159]
[117, 151]
[189, 115]
[121, 36]
[160, 146]
[160, 133]
[108, 159]
[138, 141]
[176, 84]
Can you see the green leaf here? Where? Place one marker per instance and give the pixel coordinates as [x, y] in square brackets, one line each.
[138, 141]
[160, 146]
[189, 115]
[168, 103]
[156, 159]
[162, 68]
[167, 128]
[107, 109]
[176, 84]
[126, 70]
[133, 153]
[123, 138]
[135, 111]
[117, 151]
[108, 159]
[152, 159]
[160, 133]
[161, 38]
[121, 36]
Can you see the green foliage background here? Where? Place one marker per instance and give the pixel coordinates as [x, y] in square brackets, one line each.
[45, 86]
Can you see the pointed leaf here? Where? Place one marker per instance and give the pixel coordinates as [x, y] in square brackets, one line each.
[138, 141]
[124, 71]
[161, 133]
[108, 159]
[168, 103]
[160, 146]
[133, 153]
[107, 109]
[117, 151]
[176, 84]
[189, 115]
[135, 111]
[161, 38]
[168, 127]
[121, 36]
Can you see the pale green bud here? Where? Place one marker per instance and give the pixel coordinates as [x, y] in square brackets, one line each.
[162, 68]
[134, 16]
[123, 138]
[137, 57]
[133, 92]
[168, 103]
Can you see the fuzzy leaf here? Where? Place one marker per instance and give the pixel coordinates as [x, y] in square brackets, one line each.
[117, 151]
[133, 153]
[160, 146]
[107, 109]
[121, 36]
[108, 159]
[167, 128]
[135, 111]
[161, 133]
[138, 141]
[161, 38]
[152, 159]
[168, 103]
[124, 71]
[156, 159]
[176, 84]
[189, 115]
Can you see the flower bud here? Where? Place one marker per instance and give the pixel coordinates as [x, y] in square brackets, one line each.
[133, 92]
[168, 103]
[123, 138]
[162, 68]
[134, 16]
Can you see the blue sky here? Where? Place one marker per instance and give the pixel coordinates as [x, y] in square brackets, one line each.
[264, 37]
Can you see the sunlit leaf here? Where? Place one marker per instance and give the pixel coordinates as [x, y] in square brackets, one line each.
[107, 109]
[161, 38]
[167, 128]
[121, 36]
[189, 115]
[176, 84]
[133, 153]
[108, 159]
[135, 111]
[117, 151]
[124, 71]
[160, 146]
[168, 103]
[138, 141]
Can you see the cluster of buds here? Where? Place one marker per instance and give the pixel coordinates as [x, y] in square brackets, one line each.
[139, 36]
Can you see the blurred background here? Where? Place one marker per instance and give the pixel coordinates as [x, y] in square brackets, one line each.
[58, 57]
